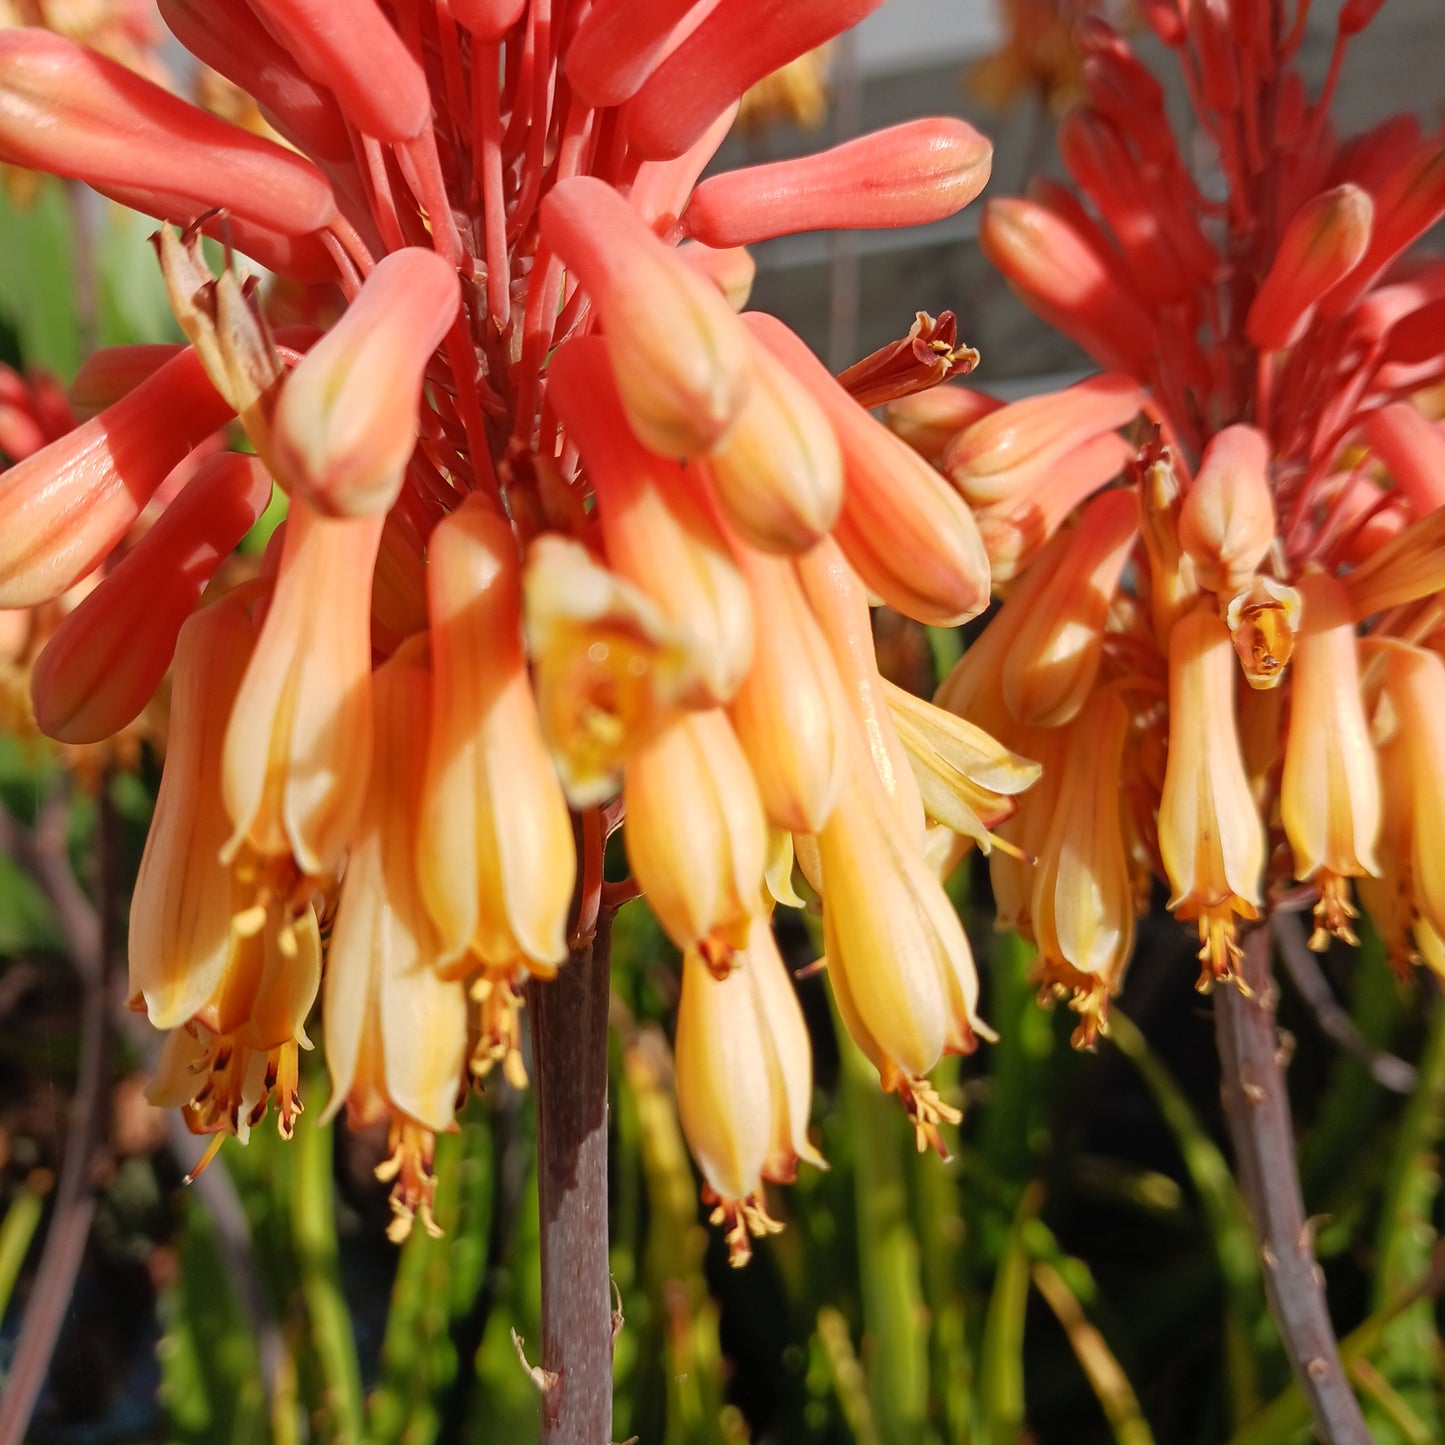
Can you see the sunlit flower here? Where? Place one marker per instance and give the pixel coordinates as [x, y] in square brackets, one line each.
[559, 524]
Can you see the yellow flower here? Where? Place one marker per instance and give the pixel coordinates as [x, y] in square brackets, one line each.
[495, 853]
[299, 742]
[1330, 800]
[696, 834]
[395, 1031]
[1083, 897]
[898, 959]
[1210, 838]
[744, 1081]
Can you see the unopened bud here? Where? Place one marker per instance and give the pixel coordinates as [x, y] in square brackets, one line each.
[1320, 246]
[346, 419]
[1226, 524]
[678, 353]
[1065, 281]
[907, 175]
[66, 110]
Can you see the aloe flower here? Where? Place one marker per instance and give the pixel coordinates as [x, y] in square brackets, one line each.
[1264, 414]
[557, 520]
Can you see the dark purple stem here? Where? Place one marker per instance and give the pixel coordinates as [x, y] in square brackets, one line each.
[1256, 1105]
[569, 1043]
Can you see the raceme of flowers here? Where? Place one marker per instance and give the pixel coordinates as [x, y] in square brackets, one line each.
[566, 537]
[1226, 645]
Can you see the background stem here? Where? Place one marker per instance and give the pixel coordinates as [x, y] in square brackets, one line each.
[569, 1042]
[1256, 1105]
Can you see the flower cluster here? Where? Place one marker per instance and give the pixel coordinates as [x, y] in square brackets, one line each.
[1222, 636]
[567, 537]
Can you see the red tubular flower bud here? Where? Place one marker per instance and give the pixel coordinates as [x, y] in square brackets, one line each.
[1097, 158]
[1320, 247]
[1062, 279]
[71, 112]
[733, 47]
[619, 43]
[907, 175]
[346, 419]
[488, 20]
[63, 508]
[905, 531]
[1408, 201]
[349, 47]
[678, 353]
[232, 41]
[1413, 450]
[108, 656]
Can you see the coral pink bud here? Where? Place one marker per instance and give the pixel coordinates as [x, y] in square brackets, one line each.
[1413, 450]
[488, 20]
[1066, 282]
[1320, 247]
[929, 420]
[1408, 201]
[905, 531]
[732, 48]
[231, 40]
[658, 528]
[349, 47]
[345, 422]
[71, 112]
[619, 43]
[988, 461]
[679, 355]
[108, 656]
[63, 508]
[907, 175]
[1226, 524]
